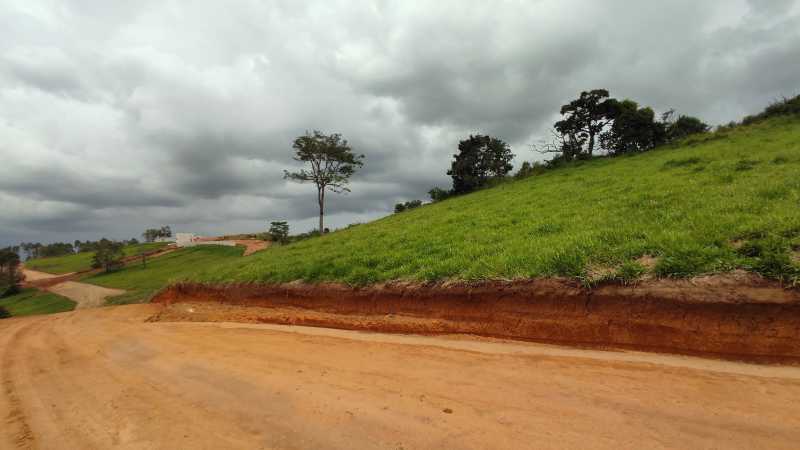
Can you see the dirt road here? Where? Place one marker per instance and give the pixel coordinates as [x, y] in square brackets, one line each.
[84, 294]
[101, 378]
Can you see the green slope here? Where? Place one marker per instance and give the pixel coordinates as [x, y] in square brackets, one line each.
[713, 203]
[142, 282]
[82, 261]
[32, 301]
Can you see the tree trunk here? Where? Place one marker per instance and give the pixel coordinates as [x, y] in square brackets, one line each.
[321, 199]
[591, 144]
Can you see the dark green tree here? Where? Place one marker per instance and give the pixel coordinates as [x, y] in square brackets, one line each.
[685, 126]
[584, 119]
[479, 159]
[279, 232]
[331, 163]
[400, 207]
[438, 194]
[108, 255]
[633, 129]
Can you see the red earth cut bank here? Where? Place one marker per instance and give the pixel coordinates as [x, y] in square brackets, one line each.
[737, 316]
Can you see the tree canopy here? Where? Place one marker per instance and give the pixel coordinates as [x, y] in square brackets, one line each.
[331, 162]
[479, 159]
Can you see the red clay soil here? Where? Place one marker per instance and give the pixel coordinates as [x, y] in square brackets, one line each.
[732, 316]
[251, 245]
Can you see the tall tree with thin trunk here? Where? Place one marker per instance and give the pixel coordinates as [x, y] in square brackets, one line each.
[331, 163]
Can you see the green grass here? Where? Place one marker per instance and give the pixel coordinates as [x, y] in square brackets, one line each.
[33, 301]
[142, 282]
[688, 205]
[82, 261]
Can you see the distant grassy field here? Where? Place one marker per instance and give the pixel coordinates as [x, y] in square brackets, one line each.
[712, 203]
[82, 261]
[142, 282]
[32, 301]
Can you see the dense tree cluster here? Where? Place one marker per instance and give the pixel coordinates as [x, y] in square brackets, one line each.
[592, 124]
[38, 250]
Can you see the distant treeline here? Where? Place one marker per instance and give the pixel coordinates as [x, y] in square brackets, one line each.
[32, 250]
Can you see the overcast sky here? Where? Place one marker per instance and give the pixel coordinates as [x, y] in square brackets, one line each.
[121, 115]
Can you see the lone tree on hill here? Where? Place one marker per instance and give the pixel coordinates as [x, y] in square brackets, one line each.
[479, 159]
[331, 164]
[107, 255]
[279, 232]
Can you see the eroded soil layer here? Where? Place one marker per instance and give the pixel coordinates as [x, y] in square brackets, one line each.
[729, 316]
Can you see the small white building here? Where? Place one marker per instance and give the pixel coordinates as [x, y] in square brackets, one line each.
[191, 240]
[185, 239]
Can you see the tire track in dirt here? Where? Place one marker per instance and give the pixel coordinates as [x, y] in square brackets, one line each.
[21, 435]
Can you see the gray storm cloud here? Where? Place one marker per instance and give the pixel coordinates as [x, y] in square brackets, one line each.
[116, 116]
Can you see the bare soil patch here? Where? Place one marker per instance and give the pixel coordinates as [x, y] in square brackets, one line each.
[85, 295]
[110, 380]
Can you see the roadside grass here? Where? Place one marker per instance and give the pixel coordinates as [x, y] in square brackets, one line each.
[32, 301]
[82, 261]
[142, 282]
[685, 204]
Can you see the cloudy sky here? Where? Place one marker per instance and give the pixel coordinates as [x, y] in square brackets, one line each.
[121, 115]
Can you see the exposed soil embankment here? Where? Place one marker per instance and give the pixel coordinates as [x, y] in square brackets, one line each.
[731, 316]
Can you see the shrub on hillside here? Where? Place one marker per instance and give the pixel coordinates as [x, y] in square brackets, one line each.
[400, 207]
[438, 194]
[527, 169]
[4, 314]
[783, 107]
[686, 126]
[10, 275]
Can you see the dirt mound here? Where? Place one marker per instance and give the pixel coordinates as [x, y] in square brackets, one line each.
[735, 316]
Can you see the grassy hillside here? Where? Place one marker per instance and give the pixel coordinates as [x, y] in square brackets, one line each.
[82, 261]
[143, 282]
[33, 301]
[713, 203]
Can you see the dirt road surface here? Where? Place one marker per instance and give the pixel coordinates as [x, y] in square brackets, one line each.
[102, 378]
[84, 294]
[35, 275]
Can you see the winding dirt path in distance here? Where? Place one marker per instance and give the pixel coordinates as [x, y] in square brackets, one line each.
[84, 294]
[106, 377]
